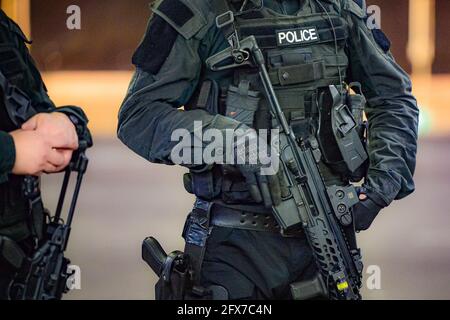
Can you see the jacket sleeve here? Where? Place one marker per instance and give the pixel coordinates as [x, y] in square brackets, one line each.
[392, 110]
[7, 155]
[167, 74]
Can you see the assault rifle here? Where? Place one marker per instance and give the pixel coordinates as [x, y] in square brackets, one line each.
[323, 212]
[45, 275]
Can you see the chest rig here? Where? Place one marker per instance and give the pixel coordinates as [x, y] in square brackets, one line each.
[305, 55]
[304, 52]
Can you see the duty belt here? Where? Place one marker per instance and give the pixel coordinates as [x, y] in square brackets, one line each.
[226, 217]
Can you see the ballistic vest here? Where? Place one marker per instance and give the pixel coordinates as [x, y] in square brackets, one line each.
[304, 53]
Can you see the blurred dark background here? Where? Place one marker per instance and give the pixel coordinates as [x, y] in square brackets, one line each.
[92, 48]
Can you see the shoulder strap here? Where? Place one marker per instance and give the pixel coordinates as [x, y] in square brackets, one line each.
[225, 21]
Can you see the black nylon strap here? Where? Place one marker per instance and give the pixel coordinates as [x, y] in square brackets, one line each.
[196, 253]
[203, 97]
[221, 7]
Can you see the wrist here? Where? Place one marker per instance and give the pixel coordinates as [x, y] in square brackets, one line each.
[383, 185]
[373, 196]
[79, 120]
[73, 120]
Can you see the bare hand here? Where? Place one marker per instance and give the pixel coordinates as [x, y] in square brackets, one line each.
[35, 155]
[55, 128]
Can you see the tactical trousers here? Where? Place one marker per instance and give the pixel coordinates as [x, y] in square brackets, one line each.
[254, 265]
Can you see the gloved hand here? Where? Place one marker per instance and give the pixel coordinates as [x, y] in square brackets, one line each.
[365, 212]
[256, 166]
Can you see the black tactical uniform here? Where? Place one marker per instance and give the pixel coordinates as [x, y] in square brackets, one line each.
[239, 246]
[21, 218]
[7, 153]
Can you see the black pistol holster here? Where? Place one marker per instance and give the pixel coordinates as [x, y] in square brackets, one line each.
[180, 273]
[173, 270]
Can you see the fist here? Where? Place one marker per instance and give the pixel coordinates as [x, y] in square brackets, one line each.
[55, 128]
[35, 155]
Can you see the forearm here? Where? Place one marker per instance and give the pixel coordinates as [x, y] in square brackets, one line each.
[393, 147]
[149, 128]
[392, 113]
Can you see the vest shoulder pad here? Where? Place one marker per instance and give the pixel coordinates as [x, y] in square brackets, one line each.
[187, 17]
[357, 7]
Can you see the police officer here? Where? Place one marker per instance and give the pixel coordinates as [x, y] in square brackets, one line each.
[309, 45]
[44, 143]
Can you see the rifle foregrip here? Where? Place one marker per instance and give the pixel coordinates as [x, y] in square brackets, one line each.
[154, 255]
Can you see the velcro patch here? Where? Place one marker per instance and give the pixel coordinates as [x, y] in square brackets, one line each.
[382, 40]
[185, 16]
[156, 46]
[176, 11]
[298, 36]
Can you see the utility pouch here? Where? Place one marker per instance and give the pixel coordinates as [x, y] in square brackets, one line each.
[236, 192]
[242, 103]
[346, 133]
[206, 184]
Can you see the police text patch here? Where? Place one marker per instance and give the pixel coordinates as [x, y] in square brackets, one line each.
[297, 36]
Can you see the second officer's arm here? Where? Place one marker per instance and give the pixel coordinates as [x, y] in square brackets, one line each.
[392, 114]
[168, 67]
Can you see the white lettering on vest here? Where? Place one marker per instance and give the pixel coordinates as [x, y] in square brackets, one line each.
[297, 36]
